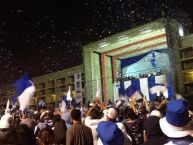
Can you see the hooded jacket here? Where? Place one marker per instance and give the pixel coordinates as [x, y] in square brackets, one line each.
[110, 134]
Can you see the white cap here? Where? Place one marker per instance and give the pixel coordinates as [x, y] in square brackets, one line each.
[156, 113]
[112, 113]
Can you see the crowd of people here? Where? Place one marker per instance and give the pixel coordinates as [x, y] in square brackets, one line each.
[132, 122]
[140, 75]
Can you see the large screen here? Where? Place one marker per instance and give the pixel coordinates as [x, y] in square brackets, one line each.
[152, 62]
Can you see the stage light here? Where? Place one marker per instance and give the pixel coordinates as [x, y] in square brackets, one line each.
[145, 30]
[103, 44]
[123, 37]
[181, 31]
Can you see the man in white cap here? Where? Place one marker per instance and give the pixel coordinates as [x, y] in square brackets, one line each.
[115, 133]
[177, 124]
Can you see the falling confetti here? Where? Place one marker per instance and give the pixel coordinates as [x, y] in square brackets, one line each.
[47, 36]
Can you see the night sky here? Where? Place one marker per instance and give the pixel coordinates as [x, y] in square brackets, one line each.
[43, 36]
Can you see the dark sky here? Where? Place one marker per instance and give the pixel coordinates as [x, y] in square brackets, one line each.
[43, 36]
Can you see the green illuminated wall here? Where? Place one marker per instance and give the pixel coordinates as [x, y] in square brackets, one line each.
[109, 77]
[92, 67]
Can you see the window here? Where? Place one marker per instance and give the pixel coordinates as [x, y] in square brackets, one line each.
[42, 85]
[62, 81]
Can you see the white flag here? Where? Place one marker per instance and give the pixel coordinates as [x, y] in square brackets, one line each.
[69, 98]
[8, 104]
[63, 106]
[98, 90]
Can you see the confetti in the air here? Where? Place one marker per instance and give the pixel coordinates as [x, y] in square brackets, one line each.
[47, 36]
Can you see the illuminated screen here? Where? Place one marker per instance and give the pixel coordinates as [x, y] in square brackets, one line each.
[152, 62]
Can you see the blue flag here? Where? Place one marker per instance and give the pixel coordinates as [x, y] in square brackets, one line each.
[25, 90]
[14, 99]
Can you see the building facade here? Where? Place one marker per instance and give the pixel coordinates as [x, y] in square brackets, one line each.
[160, 42]
[51, 87]
[186, 61]
[102, 64]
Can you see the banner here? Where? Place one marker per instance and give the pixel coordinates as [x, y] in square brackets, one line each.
[78, 87]
[162, 83]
